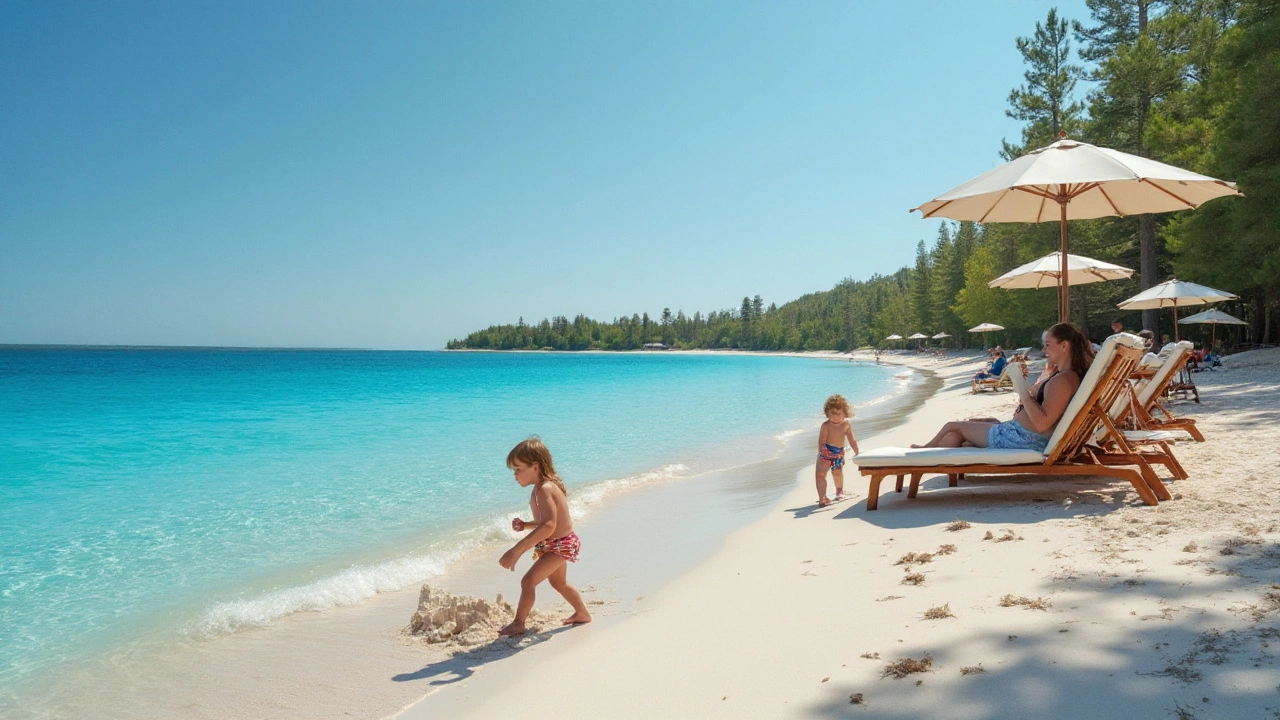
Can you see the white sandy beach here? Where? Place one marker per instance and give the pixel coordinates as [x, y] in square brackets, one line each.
[1168, 611]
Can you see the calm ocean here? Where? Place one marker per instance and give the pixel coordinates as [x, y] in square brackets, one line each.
[182, 493]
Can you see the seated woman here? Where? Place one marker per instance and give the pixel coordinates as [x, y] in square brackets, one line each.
[1069, 353]
[997, 366]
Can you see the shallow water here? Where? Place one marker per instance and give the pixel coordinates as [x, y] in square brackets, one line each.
[179, 493]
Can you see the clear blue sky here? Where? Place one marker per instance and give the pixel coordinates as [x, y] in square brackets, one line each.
[395, 174]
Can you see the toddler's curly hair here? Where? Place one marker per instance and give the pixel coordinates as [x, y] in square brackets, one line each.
[837, 403]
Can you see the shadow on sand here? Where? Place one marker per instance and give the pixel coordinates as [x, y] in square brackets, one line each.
[463, 665]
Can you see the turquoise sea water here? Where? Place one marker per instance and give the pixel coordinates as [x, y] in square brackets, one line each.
[182, 493]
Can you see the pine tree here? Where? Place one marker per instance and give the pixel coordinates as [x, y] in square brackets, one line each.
[1046, 102]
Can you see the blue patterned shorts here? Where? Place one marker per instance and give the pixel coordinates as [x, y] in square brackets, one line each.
[1011, 435]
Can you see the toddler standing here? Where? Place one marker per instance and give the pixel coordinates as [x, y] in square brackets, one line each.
[831, 440]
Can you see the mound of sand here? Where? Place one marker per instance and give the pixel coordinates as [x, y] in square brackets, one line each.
[462, 620]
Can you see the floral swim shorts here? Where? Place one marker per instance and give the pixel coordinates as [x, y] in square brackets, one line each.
[566, 547]
[1011, 435]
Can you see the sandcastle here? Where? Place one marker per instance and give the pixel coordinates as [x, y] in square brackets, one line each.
[464, 620]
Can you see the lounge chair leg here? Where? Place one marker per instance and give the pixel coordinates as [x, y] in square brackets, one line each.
[897, 487]
[915, 485]
[953, 479]
[1144, 490]
[873, 492]
[1172, 463]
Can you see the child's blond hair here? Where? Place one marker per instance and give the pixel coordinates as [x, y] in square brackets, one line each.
[533, 451]
[837, 403]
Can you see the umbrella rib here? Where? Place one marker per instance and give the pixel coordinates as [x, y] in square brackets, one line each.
[937, 209]
[992, 209]
[1166, 192]
[1109, 201]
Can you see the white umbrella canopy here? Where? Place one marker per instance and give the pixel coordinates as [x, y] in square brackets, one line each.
[1045, 272]
[986, 327]
[918, 336]
[941, 335]
[1214, 317]
[894, 337]
[1072, 180]
[1175, 294]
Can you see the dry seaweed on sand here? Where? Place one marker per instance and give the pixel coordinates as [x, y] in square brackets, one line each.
[871, 656]
[939, 613]
[913, 579]
[914, 559]
[1008, 536]
[856, 699]
[958, 526]
[1029, 603]
[972, 669]
[908, 666]
[945, 550]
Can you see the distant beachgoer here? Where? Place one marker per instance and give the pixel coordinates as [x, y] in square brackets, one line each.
[552, 539]
[998, 361]
[1117, 326]
[831, 441]
[1042, 404]
[1148, 340]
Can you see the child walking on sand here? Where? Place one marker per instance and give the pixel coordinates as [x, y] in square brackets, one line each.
[552, 539]
[831, 441]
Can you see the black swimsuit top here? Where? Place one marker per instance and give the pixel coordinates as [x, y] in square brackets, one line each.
[1040, 392]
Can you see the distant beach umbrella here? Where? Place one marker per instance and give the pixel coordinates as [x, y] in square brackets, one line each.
[1174, 294]
[894, 337]
[918, 336]
[940, 336]
[1213, 317]
[1045, 272]
[986, 327]
[1083, 181]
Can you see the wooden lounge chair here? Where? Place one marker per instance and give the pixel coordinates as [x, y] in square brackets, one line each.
[1003, 382]
[1147, 396]
[1068, 452]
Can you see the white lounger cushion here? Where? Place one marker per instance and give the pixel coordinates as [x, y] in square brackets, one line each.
[898, 457]
[1139, 436]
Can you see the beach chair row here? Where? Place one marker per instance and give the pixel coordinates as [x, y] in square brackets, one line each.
[1108, 431]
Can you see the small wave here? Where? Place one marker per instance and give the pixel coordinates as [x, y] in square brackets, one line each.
[582, 499]
[788, 434]
[348, 587]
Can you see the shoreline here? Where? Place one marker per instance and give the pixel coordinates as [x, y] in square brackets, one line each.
[1169, 610]
[290, 644]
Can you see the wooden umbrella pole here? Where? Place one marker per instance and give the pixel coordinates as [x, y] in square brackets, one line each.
[1175, 320]
[1064, 287]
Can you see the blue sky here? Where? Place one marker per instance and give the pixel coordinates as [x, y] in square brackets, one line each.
[395, 174]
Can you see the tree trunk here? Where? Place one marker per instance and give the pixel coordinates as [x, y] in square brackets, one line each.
[1147, 268]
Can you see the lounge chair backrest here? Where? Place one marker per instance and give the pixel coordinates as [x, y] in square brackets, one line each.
[1154, 387]
[1106, 380]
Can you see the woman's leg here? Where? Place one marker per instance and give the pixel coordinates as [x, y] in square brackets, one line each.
[960, 432]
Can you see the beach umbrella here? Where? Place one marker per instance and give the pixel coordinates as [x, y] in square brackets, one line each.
[1175, 293]
[985, 328]
[894, 337]
[1214, 318]
[918, 336]
[940, 336]
[1072, 180]
[1045, 272]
